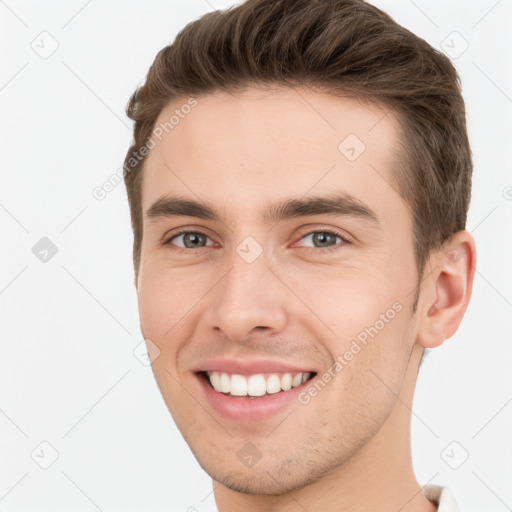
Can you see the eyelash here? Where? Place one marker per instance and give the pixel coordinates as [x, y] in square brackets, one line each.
[344, 239]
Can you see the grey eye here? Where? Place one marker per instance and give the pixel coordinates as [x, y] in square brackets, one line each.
[190, 240]
[322, 239]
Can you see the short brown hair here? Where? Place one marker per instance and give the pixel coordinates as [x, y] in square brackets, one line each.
[347, 47]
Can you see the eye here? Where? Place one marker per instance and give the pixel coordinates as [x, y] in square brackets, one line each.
[189, 240]
[323, 239]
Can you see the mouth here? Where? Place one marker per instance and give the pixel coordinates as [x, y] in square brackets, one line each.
[252, 387]
[251, 390]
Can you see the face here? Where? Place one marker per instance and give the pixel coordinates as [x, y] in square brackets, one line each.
[277, 261]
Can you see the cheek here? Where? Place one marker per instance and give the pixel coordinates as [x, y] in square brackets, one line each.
[349, 301]
[363, 321]
[371, 361]
[169, 301]
[165, 299]
[165, 304]
[162, 308]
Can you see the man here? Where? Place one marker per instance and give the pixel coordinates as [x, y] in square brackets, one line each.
[298, 185]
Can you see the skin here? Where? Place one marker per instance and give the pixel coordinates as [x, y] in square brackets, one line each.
[349, 447]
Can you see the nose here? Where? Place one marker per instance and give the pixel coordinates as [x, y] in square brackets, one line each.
[247, 300]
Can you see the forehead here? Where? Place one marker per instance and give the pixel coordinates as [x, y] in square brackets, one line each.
[238, 149]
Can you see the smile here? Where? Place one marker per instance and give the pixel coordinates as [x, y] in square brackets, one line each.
[254, 397]
[251, 386]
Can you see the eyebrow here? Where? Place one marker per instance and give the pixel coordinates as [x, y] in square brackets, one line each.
[341, 203]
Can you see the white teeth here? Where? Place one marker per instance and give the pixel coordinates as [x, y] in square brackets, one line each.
[297, 380]
[286, 381]
[255, 385]
[215, 380]
[273, 384]
[238, 385]
[225, 383]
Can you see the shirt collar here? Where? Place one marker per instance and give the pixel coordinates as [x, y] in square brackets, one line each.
[442, 497]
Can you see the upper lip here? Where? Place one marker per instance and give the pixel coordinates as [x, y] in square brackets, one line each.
[251, 366]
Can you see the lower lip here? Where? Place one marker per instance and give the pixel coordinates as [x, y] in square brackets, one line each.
[249, 409]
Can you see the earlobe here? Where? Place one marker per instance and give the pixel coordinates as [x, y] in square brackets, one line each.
[448, 290]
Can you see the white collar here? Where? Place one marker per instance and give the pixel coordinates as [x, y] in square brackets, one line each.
[442, 497]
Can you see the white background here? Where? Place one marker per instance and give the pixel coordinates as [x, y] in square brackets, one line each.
[69, 326]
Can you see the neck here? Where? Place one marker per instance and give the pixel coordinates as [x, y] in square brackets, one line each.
[379, 476]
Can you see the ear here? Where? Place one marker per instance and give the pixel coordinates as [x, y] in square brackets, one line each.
[447, 290]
